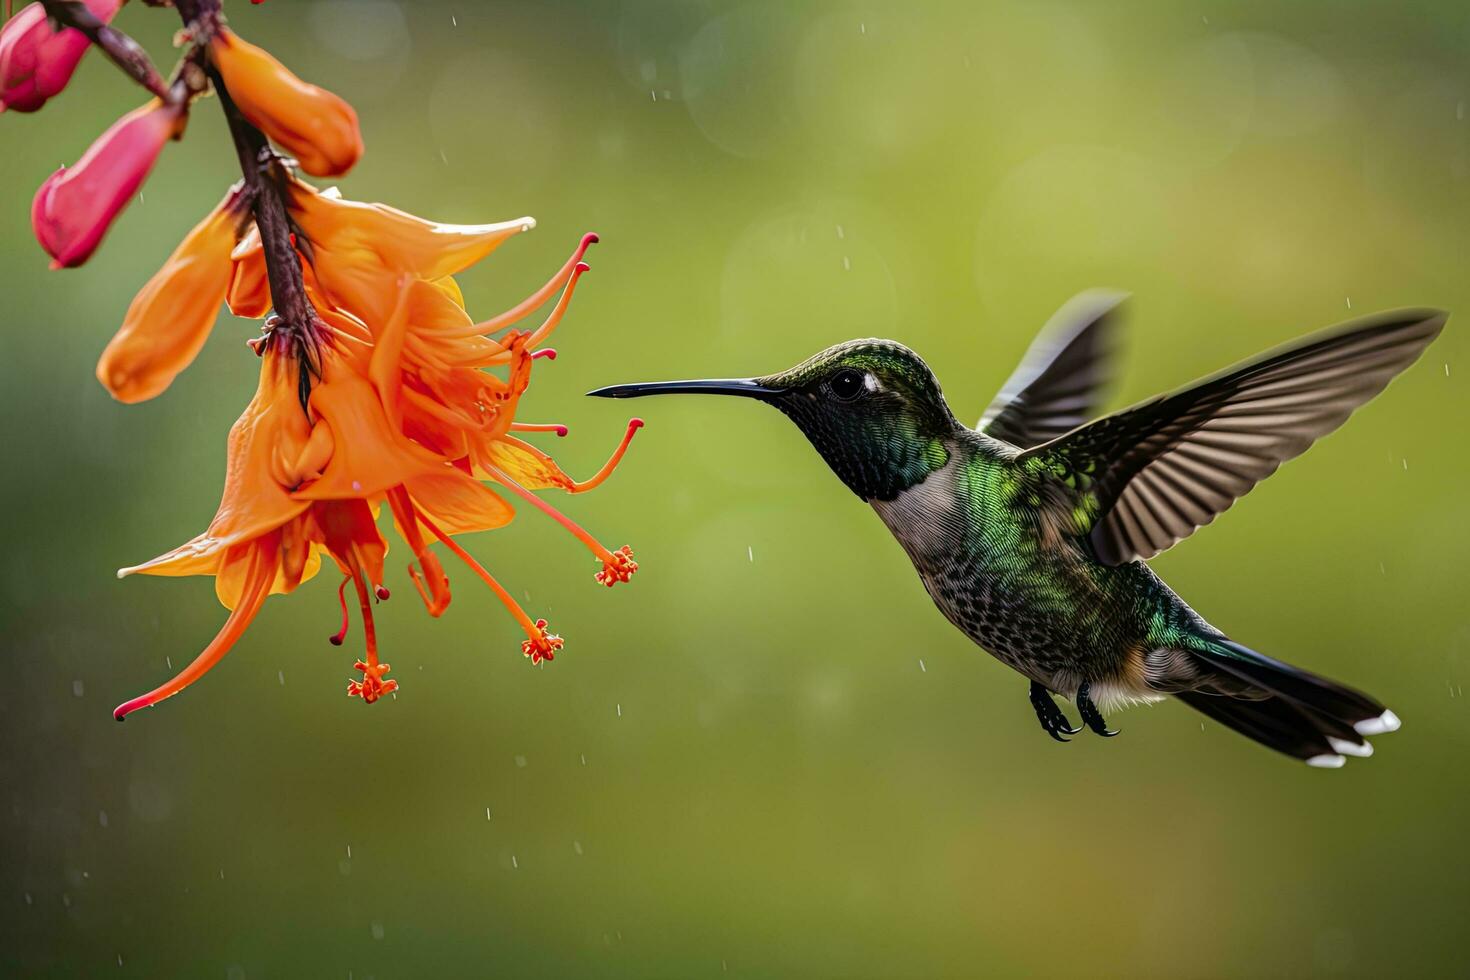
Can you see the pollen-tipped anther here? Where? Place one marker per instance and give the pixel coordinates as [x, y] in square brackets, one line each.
[618, 567]
[372, 686]
[542, 645]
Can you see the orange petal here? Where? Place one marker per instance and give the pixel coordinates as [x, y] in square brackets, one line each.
[313, 125]
[249, 292]
[358, 248]
[171, 317]
[368, 457]
[255, 500]
[261, 565]
[527, 465]
[459, 504]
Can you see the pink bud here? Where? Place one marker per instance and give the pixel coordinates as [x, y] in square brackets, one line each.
[37, 62]
[75, 207]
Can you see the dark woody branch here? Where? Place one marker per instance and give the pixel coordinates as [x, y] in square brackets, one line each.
[126, 53]
[265, 173]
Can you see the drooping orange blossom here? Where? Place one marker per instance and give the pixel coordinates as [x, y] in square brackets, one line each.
[401, 410]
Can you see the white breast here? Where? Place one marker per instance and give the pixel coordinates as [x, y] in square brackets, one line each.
[926, 516]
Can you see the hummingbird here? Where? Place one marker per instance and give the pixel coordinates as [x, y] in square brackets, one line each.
[1031, 530]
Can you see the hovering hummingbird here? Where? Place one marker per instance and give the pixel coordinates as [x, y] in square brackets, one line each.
[1030, 531]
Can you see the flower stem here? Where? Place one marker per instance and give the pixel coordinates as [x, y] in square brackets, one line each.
[126, 53]
[265, 176]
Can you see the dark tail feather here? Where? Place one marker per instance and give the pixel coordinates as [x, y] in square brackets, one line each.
[1282, 707]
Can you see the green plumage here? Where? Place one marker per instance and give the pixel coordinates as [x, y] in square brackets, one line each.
[1029, 532]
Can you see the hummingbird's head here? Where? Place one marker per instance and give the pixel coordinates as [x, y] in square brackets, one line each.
[872, 408]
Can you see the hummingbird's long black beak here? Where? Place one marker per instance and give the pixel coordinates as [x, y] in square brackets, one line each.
[745, 387]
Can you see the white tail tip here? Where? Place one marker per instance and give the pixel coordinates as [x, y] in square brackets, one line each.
[1345, 747]
[1384, 723]
[1326, 761]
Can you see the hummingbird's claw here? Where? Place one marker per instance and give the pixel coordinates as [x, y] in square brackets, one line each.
[1053, 721]
[1090, 715]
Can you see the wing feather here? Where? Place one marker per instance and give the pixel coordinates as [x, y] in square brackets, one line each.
[1158, 471]
[1058, 383]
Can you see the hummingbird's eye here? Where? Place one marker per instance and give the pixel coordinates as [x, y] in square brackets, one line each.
[846, 385]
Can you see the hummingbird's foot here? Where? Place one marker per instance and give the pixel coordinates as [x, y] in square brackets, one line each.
[1091, 717]
[1052, 719]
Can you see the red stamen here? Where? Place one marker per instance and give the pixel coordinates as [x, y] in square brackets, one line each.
[381, 591]
[612, 463]
[547, 352]
[341, 634]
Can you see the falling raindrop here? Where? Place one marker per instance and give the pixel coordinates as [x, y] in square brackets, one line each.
[750, 552]
[78, 689]
[520, 762]
[514, 863]
[620, 710]
[577, 846]
[102, 818]
[922, 668]
[377, 930]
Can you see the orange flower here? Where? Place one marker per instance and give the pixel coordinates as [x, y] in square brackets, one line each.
[316, 127]
[302, 482]
[399, 404]
[171, 317]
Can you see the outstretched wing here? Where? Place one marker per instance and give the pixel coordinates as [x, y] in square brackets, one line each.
[1153, 473]
[1057, 385]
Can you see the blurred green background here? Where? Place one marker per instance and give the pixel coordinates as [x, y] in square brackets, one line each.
[769, 755]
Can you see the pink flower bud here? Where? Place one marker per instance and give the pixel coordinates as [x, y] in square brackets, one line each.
[75, 207]
[37, 62]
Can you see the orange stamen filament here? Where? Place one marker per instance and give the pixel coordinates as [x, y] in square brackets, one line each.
[612, 463]
[499, 590]
[553, 318]
[525, 307]
[258, 578]
[617, 566]
[432, 586]
[556, 427]
[577, 531]
[558, 311]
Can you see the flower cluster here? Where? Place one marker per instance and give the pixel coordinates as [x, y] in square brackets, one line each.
[377, 388]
